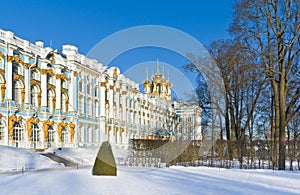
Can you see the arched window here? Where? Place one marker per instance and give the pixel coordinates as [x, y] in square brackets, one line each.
[51, 134]
[89, 106]
[19, 132]
[88, 135]
[65, 136]
[17, 88]
[64, 84]
[17, 69]
[81, 134]
[34, 95]
[50, 102]
[96, 92]
[64, 99]
[88, 89]
[81, 104]
[2, 130]
[35, 75]
[50, 79]
[80, 86]
[36, 133]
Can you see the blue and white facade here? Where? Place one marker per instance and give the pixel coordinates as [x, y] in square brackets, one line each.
[64, 99]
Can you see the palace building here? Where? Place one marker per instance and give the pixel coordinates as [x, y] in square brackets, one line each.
[51, 98]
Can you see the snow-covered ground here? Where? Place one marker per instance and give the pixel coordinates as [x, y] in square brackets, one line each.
[174, 180]
[133, 180]
[17, 158]
[80, 155]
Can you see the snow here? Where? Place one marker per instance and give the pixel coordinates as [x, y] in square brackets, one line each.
[81, 156]
[174, 180]
[134, 180]
[17, 158]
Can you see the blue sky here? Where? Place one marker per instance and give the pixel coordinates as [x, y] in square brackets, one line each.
[85, 23]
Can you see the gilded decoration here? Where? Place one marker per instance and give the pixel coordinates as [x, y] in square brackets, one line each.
[3, 88]
[22, 96]
[11, 121]
[17, 76]
[60, 127]
[61, 76]
[29, 122]
[103, 84]
[75, 73]
[1, 55]
[46, 125]
[72, 130]
[48, 71]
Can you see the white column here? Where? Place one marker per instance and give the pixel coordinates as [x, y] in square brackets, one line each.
[111, 99]
[72, 92]
[117, 95]
[102, 99]
[44, 87]
[9, 77]
[58, 91]
[27, 83]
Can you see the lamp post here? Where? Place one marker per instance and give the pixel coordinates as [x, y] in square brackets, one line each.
[34, 134]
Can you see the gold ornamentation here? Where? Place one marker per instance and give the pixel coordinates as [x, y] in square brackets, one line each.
[3, 88]
[11, 121]
[67, 105]
[39, 98]
[115, 73]
[111, 87]
[64, 90]
[1, 115]
[72, 130]
[17, 76]
[50, 86]
[22, 96]
[46, 125]
[61, 76]
[1, 55]
[29, 123]
[75, 73]
[60, 127]
[53, 101]
[102, 84]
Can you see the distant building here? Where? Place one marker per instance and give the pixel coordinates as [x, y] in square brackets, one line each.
[64, 99]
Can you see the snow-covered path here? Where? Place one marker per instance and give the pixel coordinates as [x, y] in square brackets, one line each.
[174, 180]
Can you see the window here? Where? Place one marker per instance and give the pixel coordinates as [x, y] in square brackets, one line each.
[81, 134]
[89, 107]
[64, 99]
[50, 79]
[88, 134]
[18, 132]
[80, 86]
[34, 96]
[96, 92]
[65, 136]
[64, 84]
[16, 69]
[51, 134]
[17, 87]
[36, 133]
[35, 75]
[88, 89]
[80, 105]
[2, 130]
[50, 102]
[96, 109]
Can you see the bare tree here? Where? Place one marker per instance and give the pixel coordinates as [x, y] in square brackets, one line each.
[270, 29]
